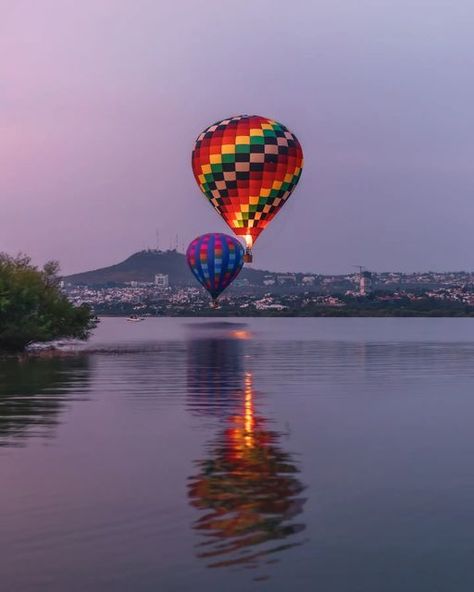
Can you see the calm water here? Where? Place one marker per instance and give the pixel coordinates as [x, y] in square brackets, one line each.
[265, 454]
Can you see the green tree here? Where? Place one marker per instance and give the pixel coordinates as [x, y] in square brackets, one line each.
[33, 308]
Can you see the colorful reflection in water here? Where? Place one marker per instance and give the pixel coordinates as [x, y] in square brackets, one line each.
[241, 334]
[247, 489]
[215, 376]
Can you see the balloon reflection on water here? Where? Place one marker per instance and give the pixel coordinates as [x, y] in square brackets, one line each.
[247, 489]
[215, 378]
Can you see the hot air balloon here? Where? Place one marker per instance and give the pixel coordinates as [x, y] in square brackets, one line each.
[247, 166]
[215, 260]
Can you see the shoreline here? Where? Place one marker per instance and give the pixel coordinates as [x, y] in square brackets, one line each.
[65, 348]
[282, 315]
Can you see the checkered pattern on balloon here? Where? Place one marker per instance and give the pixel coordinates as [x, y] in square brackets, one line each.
[215, 260]
[247, 167]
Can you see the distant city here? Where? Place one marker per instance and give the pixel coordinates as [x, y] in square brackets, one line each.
[140, 285]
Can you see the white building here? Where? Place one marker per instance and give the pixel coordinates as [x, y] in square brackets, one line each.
[286, 278]
[365, 282]
[161, 280]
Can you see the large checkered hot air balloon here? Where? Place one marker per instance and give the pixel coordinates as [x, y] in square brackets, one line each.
[215, 260]
[247, 166]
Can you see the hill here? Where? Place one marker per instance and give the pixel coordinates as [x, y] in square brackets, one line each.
[143, 266]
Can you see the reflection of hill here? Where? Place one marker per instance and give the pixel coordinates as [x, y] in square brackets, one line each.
[34, 392]
[248, 487]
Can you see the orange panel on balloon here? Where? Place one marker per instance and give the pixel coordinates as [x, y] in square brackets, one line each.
[247, 166]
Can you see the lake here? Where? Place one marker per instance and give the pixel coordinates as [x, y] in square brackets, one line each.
[242, 454]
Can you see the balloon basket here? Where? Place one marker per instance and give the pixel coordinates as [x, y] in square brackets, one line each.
[248, 257]
[214, 304]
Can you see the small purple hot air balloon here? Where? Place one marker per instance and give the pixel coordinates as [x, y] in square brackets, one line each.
[215, 260]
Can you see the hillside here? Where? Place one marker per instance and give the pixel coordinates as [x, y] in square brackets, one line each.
[143, 266]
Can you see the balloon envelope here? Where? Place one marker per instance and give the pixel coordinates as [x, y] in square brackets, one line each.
[215, 260]
[247, 166]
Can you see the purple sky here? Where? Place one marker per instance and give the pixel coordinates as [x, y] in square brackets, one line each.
[101, 100]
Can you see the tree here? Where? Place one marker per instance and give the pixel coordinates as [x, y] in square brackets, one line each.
[33, 308]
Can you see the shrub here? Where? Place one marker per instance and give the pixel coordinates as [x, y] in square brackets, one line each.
[33, 308]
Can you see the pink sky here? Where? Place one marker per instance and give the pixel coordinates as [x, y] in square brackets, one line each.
[101, 100]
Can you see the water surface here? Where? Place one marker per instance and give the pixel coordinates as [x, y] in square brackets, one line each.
[180, 454]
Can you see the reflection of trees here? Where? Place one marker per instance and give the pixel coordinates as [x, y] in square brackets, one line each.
[248, 486]
[33, 394]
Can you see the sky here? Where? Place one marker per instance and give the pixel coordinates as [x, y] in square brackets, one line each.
[101, 102]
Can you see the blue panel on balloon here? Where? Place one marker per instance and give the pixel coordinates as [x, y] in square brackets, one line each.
[215, 260]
